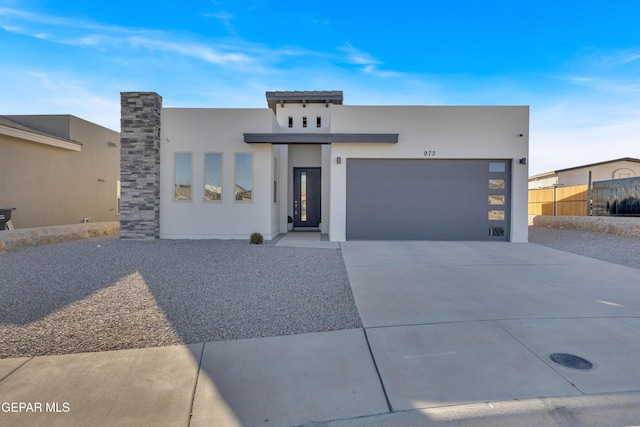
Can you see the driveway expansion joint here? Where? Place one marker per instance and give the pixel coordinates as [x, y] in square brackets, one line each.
[16, 369]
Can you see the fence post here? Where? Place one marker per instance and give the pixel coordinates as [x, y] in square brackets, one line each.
[589, 212]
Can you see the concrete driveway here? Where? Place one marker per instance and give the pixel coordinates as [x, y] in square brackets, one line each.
[453, 323]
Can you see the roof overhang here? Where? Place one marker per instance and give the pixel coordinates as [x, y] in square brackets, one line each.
[39, 138]
[319, 138]
[304, 97]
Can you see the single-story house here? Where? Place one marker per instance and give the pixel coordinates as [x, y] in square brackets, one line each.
[626, 167]
[351, 172]
[58, 170]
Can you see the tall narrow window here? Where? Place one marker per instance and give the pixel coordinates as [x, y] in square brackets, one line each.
[244, 176]
[183, 177]
[275, 179]
[213, 176]
[318, 122]
[290, 121]
[304, 122]
[303, 196]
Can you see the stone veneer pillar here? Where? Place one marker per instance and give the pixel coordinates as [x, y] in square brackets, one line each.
[140, 165]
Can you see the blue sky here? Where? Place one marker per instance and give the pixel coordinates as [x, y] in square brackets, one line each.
[576, 64]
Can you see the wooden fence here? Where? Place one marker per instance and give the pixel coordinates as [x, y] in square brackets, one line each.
[559, 201]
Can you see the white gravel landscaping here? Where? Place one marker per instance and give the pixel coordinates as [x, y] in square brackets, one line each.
[603, 246]
[106, 294]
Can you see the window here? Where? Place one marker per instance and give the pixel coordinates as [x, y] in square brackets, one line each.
[290, 121]
[496, 184]
[497, 167]
[183, 176]
[303, 196]
[304, 122]
[318, 122]
[275, 179]
[244, 176]
[496, 231]
[496, 199]
[275, 191]
[496, 215]
[213, 176]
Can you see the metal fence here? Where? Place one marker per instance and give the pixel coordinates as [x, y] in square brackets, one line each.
[616, 197]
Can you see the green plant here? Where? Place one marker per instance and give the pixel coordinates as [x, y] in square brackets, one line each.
[256, 238]
[289, 219]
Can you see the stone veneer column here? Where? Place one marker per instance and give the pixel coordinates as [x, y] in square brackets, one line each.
[140, 165]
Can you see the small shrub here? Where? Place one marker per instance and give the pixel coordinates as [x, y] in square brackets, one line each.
[256, 238]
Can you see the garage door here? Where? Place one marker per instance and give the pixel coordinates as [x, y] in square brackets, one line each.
[402, 199]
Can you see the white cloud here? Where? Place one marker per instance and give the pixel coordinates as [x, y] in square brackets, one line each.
[368, 62]
[105, 38]
[359, 57]
[225, 18]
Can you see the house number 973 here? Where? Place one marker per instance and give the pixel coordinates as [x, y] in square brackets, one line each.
[430, 153]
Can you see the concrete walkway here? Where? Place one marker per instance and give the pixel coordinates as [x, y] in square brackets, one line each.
[306, 239]
[455, 334]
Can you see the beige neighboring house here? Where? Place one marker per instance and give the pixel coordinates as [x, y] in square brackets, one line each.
[626, 167]
[58, 170]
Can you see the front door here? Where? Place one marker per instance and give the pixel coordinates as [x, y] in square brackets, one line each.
[306, 197]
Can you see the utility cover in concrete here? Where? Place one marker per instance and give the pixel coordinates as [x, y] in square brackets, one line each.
[610, 344]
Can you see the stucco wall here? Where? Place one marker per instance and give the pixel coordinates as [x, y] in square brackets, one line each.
[54, 186]
[598, 173]
[543, 183]
[450, 132]
[200, 131]
[297, 111]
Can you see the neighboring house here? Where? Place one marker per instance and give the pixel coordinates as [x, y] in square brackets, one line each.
[625, 167]
[352, 172]
[58, 170]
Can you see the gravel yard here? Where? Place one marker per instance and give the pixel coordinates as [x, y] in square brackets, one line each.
[107, 294]
[603, 246]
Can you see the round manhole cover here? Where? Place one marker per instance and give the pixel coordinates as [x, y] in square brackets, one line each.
[571, 361]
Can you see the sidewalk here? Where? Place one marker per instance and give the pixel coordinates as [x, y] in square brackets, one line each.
[455, 333]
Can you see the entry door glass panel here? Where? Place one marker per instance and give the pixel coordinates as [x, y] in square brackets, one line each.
[303, 196]
[306, 197]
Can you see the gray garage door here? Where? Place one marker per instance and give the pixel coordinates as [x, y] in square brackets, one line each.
[402, 199]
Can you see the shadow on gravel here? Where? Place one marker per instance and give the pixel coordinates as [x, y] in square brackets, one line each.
[107, 294]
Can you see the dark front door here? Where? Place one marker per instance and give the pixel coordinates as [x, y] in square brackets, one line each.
[306, 197]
